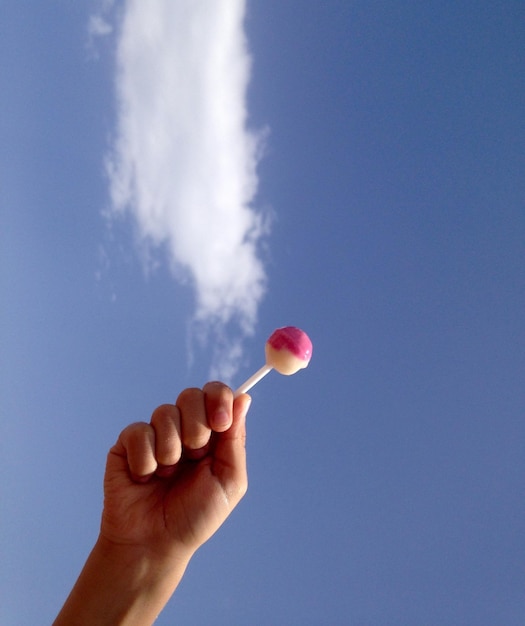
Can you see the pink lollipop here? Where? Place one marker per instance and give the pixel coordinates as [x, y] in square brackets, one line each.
[288, 350]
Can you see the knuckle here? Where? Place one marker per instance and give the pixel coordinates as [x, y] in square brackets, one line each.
[188, 395]
[162, 413]
[218, 390]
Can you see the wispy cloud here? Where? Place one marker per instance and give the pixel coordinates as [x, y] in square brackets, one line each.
[98, 26]
[183, 161]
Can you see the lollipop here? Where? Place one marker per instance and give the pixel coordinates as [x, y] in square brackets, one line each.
[288, 350]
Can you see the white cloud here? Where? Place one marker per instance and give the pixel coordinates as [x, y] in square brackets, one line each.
[183, 162]
[98, 26]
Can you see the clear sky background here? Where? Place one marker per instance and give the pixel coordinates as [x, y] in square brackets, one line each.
[386, 480]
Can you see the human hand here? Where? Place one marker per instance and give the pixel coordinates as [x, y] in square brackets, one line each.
[168, 487]
[170, 484]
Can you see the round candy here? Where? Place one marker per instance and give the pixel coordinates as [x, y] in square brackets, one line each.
[288, 350]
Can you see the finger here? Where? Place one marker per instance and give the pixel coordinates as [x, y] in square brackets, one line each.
[229, 457]
[218, 399]
[166, 424]
[194, 425]
[138, 441]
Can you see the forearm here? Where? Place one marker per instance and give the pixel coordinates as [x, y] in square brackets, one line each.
[122, 586]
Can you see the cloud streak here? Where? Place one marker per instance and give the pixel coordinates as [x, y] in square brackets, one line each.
[183, 161]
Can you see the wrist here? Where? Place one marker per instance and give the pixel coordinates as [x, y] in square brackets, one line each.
[125, 585]
[143, 562]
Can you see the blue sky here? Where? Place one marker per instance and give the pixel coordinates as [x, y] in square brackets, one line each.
[386, 480]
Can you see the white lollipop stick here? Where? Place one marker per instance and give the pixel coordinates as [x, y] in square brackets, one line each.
[253, 380]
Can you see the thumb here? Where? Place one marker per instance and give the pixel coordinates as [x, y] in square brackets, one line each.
[229, 453]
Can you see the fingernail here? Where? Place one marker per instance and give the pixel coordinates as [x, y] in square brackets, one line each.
[196, 455]
[221, 418]
[142, 479]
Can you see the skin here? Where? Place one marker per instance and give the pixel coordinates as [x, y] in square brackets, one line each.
[169, 485]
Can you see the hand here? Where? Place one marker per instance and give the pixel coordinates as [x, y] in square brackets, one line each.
[170, 484]
[168, 487]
